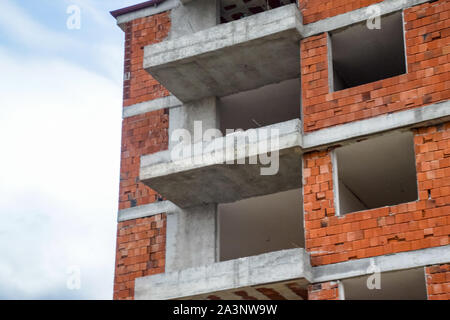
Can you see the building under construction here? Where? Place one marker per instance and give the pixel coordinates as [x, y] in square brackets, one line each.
[283, 149]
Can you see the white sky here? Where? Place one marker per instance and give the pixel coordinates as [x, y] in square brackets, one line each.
[60, 123]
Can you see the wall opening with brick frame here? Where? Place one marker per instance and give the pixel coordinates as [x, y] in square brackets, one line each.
[374, 173]
[420, 224]
[261, 225]
[261, 107]
[426, 42]
[361, 55]
[397, 285]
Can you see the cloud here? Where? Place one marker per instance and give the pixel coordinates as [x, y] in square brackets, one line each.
[60, 140]
[22, 28]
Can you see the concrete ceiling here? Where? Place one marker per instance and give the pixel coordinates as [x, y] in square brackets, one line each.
[261, 107]
[397, 285]
[380, 171]
[362, 55]
[237, 9]
[261, 224]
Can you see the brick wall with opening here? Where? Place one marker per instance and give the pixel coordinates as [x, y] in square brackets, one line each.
[407, 226]
[427, 81]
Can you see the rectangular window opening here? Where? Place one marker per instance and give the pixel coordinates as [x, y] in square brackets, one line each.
[231, 10]
[395, 285]
[271, 104]
[375, 173]
[260, 225]
[362, 54]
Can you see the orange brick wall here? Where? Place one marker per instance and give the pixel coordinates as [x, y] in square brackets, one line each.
[140, 248]
[138, 34]
[142, 134]
[438, 282]
[427, 81]
[314, 10]
[140, 252]
[323, 291]
[410, 226]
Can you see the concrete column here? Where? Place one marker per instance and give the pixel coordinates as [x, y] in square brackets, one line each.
[183, 117]
[194, 16]
[191, 237]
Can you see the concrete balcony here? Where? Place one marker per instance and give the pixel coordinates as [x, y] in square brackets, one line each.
[230, 168]
[228, 58]
[285, 273]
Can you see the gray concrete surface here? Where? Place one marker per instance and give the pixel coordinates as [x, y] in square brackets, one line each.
[229, 58]
[191, 237]
[209, 178]
[193, 17]
[146, 210]
[151, 105]
[275, 267]
[234, 274]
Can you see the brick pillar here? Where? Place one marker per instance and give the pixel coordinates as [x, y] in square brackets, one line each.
[438, 282]
[140, 249]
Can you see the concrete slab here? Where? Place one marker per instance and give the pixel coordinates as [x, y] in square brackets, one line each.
[279, 266]
[229, 58]
[209, 177]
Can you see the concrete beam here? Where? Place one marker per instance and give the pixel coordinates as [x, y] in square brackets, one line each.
[165, 6]
[229, 58]
[426, 115]
[191, 237]
[206, 177]
[229, 275]
[274, 268]
[146, 210]
[358, 15]
[385, 263]
[151, 105]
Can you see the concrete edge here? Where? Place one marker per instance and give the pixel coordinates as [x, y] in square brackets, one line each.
[257, 270]
[151, 105]
[413, 117]
[385, 263]
[359, 15]
[155, 166]
[142, 13]
[147, 210]
[238, 32]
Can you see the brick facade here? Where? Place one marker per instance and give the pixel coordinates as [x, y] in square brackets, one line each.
[330, 239]
[427, 34]
[438, 282]
[140, 251]
[410, 226]
[139, 33]
[140, 248]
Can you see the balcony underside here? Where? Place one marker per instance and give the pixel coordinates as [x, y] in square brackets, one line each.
[188, 184]
[229, 58]
[286, 273]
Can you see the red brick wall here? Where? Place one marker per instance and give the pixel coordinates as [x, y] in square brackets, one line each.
[427, 81]
[140, 252]
[410, 226]
[314, 10]
[438, 282]
[139, 33]
[142, 134]
[324, 291]
[140, 247]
